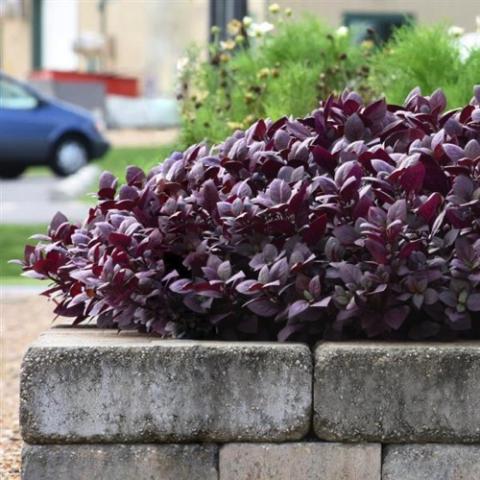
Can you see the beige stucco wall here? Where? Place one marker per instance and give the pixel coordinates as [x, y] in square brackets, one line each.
[15, 44]
[148, 36]
[457, 12]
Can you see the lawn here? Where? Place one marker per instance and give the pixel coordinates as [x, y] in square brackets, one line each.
[118, 159]
[14, 237]
[12, 242]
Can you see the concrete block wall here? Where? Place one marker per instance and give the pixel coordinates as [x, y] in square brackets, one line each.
[97, 404]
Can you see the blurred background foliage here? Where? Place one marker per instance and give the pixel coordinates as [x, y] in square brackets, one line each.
[429, 57]
[287, 66]
[259, 73]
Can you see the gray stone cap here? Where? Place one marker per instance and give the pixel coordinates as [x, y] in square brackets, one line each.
[84, 385]
[385, 345]
[65, 337]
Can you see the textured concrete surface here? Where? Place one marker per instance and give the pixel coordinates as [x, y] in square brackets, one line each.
[28, 200]
[431, 462]
[94, 386]
[300, 461]
[119, 462]
[399, 393]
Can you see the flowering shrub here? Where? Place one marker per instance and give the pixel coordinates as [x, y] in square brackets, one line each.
[428, 56]
[253, 72]
[356, 221]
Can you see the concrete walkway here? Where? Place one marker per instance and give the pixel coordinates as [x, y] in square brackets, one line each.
[35, 200]
[31, 200]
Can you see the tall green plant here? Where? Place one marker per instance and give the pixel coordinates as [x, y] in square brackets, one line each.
[428, 57]
[259, 73]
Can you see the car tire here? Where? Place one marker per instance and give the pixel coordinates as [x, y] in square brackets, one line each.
[11, 171]
[70, 155]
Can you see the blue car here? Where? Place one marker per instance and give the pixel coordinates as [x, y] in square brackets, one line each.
[35, 130]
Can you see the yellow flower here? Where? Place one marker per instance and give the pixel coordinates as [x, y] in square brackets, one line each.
[224, 57]
[288, 12]
[368, 44]
[228, 45]
[234, 125]
[274, 8]
[263, 73]
[234, 27]
[248, 98]
[247, 21]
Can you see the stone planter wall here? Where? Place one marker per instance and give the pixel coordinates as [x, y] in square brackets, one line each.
[97, 404]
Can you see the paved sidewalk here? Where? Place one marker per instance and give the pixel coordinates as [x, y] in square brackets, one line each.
[29, 200]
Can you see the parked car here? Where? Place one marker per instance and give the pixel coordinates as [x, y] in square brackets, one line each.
[36, 130]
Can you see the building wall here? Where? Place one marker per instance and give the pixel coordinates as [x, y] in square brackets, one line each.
[59, 31]
[457, 12]
[148, 36]
[15, 44]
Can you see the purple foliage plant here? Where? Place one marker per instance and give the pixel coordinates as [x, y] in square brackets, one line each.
[356, 221]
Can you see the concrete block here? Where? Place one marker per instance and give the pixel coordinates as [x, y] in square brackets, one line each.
[431, 462]
[300, 461]
[397, 392]
[119, 462]
[97, 386]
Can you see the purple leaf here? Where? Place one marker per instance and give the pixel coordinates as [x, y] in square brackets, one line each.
[297, 308]
[395, 317]
[279, 191]
[430, 207]
[249, 287]
[316, 230]
[262, 307]
[473, 302]
[354, 128]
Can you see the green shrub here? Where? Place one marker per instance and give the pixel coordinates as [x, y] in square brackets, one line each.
[283, 72]
[427, 57]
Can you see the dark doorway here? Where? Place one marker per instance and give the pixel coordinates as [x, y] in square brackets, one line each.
[375, 26]
[222, 11]
[37, 34]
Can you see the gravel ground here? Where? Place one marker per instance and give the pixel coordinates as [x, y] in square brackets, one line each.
[22, 318]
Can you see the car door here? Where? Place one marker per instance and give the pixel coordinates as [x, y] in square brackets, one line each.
[24, 128]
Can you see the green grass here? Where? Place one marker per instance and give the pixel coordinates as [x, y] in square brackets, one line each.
[40, 171]
[12, 243]
[285, 73]
[14, 237]
[426, 56]
[118, 159]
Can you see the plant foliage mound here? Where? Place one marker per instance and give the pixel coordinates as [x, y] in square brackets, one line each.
[252, 75]
[429, 56]
[356, 221]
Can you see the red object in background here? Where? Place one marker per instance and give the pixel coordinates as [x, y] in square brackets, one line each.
[114, 84]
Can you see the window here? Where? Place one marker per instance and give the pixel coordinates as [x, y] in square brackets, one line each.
[15, 97]
[377, 27]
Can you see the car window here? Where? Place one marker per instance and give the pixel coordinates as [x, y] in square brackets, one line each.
[15, 97]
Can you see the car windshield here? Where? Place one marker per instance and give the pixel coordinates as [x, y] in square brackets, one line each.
[14, 96]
